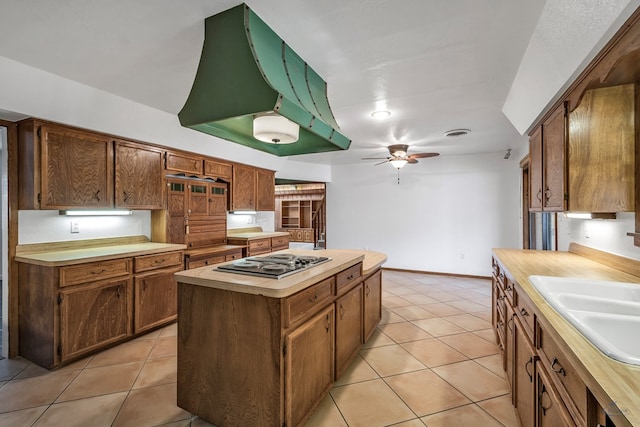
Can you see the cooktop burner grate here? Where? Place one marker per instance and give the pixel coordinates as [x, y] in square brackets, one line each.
[273, 266]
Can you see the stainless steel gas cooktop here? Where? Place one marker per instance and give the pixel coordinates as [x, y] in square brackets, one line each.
[274, 266]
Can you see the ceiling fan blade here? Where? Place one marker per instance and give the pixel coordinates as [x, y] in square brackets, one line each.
[411, 161]
[386, 161]
[423, 155]
[374, 158]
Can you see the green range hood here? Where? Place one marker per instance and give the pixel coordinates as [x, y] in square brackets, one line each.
[247, 70]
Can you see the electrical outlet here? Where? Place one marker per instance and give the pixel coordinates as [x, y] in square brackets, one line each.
[74, 227]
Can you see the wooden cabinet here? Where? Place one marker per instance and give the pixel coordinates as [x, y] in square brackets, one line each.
[138, 176]
[244, 182]
[348, 328]
[550, 411]
[261, 245]
[195, 215]
[372, 304]
[187, 163]
[218, 169]
[602, 151]
[70, 311]
[309, 366]
[63, 167]
[252, 189]
[93, 316]
[547, 146]
[301, 340]
[196, 259]
[265, 190]
[523, 375]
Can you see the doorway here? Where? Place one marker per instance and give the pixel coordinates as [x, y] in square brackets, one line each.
[301, 211]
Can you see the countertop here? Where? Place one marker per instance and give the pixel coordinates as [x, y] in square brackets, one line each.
[79, 253]
[253, 235]
[616, 385]
[280, 288]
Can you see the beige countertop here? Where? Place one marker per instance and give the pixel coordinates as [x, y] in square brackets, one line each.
[253, 235]
[70, 256]
[279, 288]
[616, 385]
[211, 250]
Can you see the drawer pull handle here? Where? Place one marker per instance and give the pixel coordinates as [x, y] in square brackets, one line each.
[500, 323]
[544, 409]
[524, 312]
[559, 370]
[350, 277]
[314, 299]
[510, 320]
[509, 288]
[328, 326]
[526, 368]
[118, 291]
[99, 272]
[539, 195]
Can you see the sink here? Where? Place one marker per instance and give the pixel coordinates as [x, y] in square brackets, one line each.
[607, 313]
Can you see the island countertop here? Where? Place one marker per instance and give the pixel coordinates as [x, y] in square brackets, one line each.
[280, 288]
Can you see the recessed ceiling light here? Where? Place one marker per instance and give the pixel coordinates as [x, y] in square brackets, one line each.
[457, 132]
[381, 114]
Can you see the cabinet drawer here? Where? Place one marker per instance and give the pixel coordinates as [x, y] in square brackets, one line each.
[234, 255]
[202, 262]
[347, 276]
[524, 310]
[259, 245]
[509, 290]
[184, 163]
[150, 262]
[280, 242]
[562, 373]
[308, 301]
[83, 273]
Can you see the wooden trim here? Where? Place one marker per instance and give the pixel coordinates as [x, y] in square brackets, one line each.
[617, 262]
[12, 238]
[468, 276]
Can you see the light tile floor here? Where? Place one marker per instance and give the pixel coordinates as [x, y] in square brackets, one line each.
[431, 362]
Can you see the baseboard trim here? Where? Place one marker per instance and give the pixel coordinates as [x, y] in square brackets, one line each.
[436, 273]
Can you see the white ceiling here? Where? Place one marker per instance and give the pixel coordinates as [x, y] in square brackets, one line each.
[436, 65]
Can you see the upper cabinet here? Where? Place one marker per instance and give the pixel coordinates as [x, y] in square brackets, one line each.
[547, 145]
[218, 170]
[266, 190]
[138, 174]
[63, 167]
[187, 163]
[601, 151]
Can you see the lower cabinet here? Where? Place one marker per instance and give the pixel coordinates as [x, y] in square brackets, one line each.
[550, 411]
[524, 362]
[93, 316]
[269, 361]
[70, 311]
[372, 304]
[348, 328]
[156, 299]
[309, 365]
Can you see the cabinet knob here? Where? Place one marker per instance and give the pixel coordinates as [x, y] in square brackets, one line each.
[314, 299]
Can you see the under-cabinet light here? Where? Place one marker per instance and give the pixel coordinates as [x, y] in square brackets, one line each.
[590, 215]
[106, 212]
[243, 212]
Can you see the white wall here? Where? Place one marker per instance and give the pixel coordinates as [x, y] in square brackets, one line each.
[446, 214]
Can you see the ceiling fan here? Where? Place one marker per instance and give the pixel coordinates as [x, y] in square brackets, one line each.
[399, 157]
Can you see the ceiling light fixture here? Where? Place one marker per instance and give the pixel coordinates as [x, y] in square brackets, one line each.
[398, 163]
[273, 128]
[456, 132]
[381, 114]
[591, 215]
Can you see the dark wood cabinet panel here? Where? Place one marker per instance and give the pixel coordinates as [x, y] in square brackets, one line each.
[554, 138]
[348, 328]
[215, 169]
[535, 171]
[309, 365]
[265, 190]
[138, 175]
[372, 313]
[94, 316]
[156, 299]
[77, 169]
[243, 195]
[184, 162]
[524, 375]
[550, 411]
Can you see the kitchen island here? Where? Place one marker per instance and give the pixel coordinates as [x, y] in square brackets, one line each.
[260, 351]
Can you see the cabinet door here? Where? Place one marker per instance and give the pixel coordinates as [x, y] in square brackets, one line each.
[348, 328]
[372, 304]
[308, 235]
[216, 169]
[535, 171]
[139, 180]
[94, 316]
[198, 199]
[77, 169]
[550, 411]
[184, 162]
[523, 375]
[156, 299]
[218, 199]
[509, 344]
[309, 365]
[243, 195]
[266, 190]
[554, 137]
